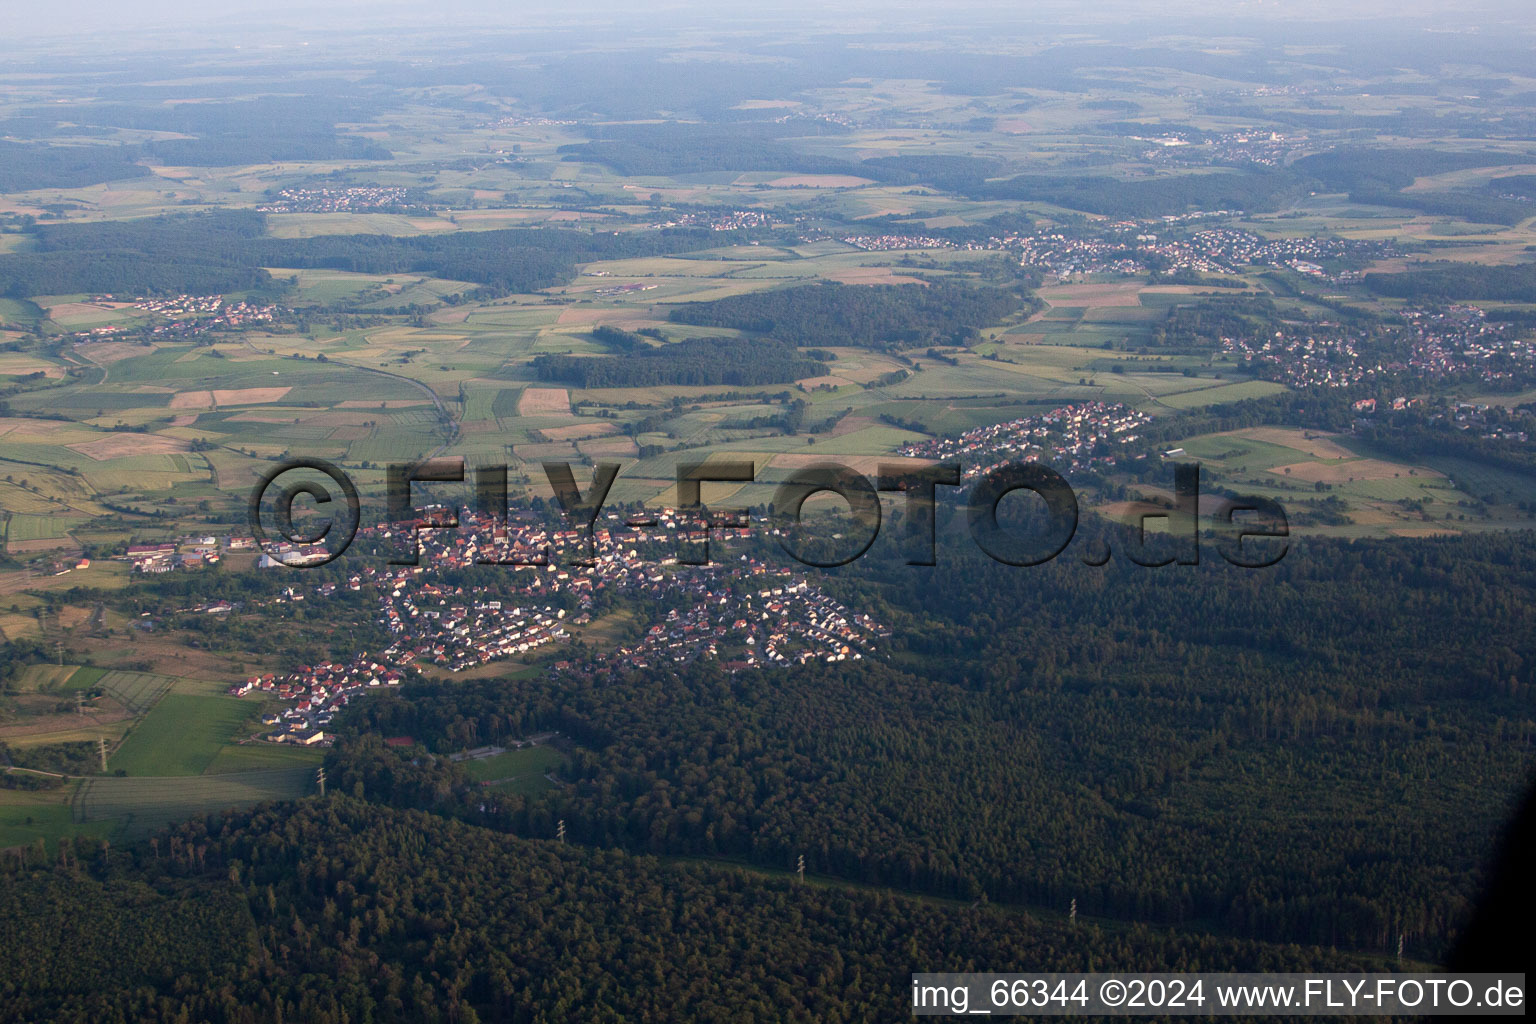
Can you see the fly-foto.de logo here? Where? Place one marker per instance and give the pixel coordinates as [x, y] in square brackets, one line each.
[1246, 532]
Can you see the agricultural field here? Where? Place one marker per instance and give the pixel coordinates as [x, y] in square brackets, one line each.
[256, 756]
[26, 817]
[1299, 468]
[138, 691]
[138, 806]
[181, 735]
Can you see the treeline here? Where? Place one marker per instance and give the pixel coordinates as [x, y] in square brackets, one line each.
[62, 758]
[340, 910]
[1514, 184]
[950, 173]
[200, 253]
[1446, 280]
[507, 260]
[233, 132]
[884, 317]
[675, 148]
[694, 362]
[1355, 168]
[1478, 207]
[1370, 175]
[226, 251]
[684, 148]
[1151, 197]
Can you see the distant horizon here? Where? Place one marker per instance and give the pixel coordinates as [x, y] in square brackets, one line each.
[183, 24]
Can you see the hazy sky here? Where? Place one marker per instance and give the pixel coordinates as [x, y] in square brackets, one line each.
[220, 21]
[61, 17]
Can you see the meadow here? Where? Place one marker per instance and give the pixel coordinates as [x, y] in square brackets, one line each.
[134, 807]
[138, 691]
[1298, 468]
[181, 735]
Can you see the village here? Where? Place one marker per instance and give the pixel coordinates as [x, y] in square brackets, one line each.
[1212, 251]
[740, 612]
[1072, 437]
[362, 199]
[1434, 343]
[734, 220]
[180, 316]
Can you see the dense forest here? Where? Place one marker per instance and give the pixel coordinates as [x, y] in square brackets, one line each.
[885, 317]
[951, 173]
[694, 362]
[1448, 280]
[199, 253]
[1288, 752]
[25, 167]
[1150, 197]
[340, 910]
[245, 131]
[1478, 207]
[1353, 168]
[678, 148]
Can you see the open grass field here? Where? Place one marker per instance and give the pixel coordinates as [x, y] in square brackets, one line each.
[44, 678]
[181, 735]
[22, 527]
[138, 691]
[1298, 468]
[1235, 392]
[27, 816]
[246, 757]
[137, 806]
[84, 677]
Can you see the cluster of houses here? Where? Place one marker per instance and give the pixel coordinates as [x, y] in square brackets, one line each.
[1434, 343]
[1073, 436]
[1212, 251]
[789, 624]
[314, 694]
[357, 199]
[887, 243]
[1249, 146]
[733, 220]
[737, 610]
[183, 316]
[185, 553]
[433, 624]
[1254, 146]
[614, 290]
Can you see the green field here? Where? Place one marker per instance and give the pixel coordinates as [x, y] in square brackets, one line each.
[181, 735]
[247, 757]
[1235, 392]
[138, 691]
[138, 806]
[520, 771]
[26, 817]
[45, 678]
[34, 527]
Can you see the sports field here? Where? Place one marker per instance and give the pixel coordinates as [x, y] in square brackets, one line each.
[515, 765]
